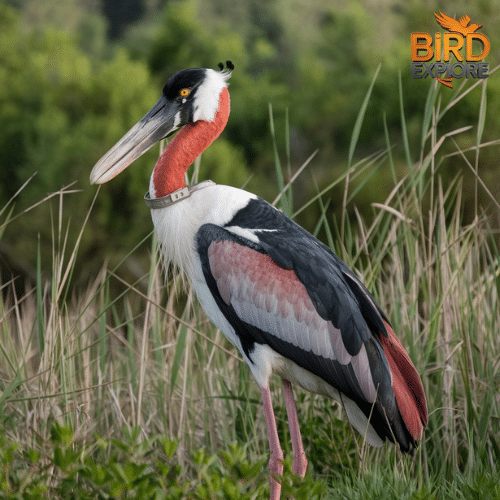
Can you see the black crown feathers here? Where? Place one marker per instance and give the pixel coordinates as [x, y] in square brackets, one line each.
[229, 66]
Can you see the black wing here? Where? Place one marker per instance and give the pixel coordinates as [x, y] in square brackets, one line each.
[278, 285]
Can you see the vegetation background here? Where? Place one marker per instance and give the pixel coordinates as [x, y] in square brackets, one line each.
[95, 363]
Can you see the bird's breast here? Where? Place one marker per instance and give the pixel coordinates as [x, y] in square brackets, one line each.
[178, 224]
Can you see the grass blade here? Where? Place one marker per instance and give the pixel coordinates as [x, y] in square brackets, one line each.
[404, 130]
[180, 346]
[285, 202]
[360, 118]
[39, 301]
[428, 109]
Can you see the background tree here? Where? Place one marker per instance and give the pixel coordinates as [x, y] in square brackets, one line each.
[75, 77]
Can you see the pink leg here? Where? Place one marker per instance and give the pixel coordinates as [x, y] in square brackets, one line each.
[299, 465]
[276, 460]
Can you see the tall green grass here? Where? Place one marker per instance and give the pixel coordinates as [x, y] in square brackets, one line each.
[112, 372]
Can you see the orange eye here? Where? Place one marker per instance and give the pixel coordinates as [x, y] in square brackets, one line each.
[184, 92]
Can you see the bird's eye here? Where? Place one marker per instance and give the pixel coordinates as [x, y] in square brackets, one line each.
[184, 92]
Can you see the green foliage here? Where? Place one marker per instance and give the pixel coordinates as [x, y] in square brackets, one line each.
[67, 95]
[190, 41]
[59, 111]
[137, 395]
[125, 467]
[129, 467]
[224, 163]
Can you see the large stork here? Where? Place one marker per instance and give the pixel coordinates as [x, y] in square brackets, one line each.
[282, 297]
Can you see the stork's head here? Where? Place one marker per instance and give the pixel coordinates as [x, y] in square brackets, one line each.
[189, 96]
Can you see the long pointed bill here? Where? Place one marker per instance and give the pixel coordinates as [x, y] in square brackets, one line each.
[158, 123]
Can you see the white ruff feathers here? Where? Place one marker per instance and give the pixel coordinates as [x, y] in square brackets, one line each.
[176, 226]
[206, 99]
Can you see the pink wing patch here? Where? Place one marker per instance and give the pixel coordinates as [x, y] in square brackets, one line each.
[233, 264]
[271, 298]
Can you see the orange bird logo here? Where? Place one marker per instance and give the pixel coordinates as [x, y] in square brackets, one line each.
[460, 34]
[460, 26]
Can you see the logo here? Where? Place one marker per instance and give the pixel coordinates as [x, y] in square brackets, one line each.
[460, 43]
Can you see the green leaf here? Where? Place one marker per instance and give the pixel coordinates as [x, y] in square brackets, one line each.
[169, 447]
[61, 434]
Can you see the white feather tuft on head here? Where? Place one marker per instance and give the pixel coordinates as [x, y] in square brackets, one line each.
[206, 99]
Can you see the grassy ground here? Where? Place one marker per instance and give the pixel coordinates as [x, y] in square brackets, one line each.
[137, 395]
